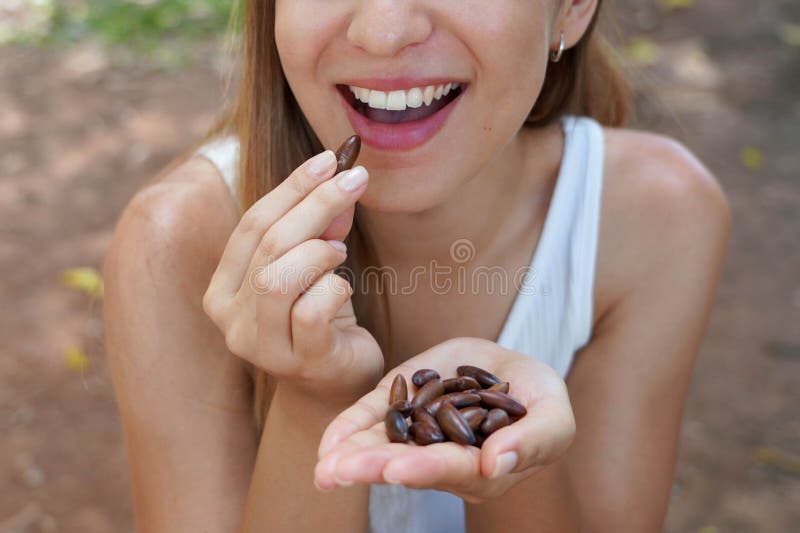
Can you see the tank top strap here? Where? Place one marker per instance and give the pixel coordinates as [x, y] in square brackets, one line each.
[587, 187]
[551, 316]
[224, 154]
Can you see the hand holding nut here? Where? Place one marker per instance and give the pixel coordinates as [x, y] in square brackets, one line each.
[300, 329]
[357, 449]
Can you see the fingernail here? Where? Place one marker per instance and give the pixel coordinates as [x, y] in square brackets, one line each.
[388, 476]
[320, 488]
[322, 164]
[505, 464]
[339, 245]
[352, 179]
[342, 482]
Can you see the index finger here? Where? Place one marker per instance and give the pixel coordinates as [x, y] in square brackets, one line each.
[276, 204]
[263, 214]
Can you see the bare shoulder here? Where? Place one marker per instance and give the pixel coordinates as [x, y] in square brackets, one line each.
[164, 251]
[662, 210]
[178, 223]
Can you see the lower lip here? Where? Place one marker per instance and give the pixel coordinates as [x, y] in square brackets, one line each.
[403, 136]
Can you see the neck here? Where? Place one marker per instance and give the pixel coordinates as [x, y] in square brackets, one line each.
[486, 207]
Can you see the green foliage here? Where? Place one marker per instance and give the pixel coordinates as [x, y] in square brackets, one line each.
[142, 24]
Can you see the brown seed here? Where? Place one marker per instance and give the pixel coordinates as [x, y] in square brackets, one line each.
[422, 376]
[474, 416]
[399, 390]
[403, 406]
[425, 434]
[458, 399]
[347, 153]
[496, 419]
[500, 400]
[502, 387]
[461, 383]
[430, 391]
[396, 426]
[453, 425]
[479, 440]
[486, 379]
[422, 415]
[433, 406]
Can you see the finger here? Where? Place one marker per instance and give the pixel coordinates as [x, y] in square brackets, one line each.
[443, 465]
[263, 214]
[340, 226]
[273, 290]
[537, 439]
[295, 271]
[365, 413]
[311, 217]
[313, 313]
[327, 473]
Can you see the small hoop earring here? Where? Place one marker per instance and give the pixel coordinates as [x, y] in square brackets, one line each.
[555, 56]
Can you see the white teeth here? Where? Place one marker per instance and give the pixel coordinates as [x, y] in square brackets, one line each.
[400, 100]
[377, 99]
[414, 98]
[427, 95]
[396, 101]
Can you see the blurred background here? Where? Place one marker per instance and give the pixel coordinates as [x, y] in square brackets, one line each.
[96, 96]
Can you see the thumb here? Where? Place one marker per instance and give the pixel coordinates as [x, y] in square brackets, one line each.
[541, 437]
[340, 226]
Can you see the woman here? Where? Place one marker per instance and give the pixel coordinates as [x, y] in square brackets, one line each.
[247, 408]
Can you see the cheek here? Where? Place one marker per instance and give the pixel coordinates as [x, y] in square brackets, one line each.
[289, 31]
[304, 30]
[511, 48]
[300, 31]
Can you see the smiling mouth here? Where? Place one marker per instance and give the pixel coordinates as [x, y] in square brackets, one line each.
[397, 107]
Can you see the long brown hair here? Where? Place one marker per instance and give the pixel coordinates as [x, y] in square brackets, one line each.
[275, 138]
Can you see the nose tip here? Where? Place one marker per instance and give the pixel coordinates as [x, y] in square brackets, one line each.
[384, 28]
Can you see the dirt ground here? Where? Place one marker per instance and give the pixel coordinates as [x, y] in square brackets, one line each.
[78, 136]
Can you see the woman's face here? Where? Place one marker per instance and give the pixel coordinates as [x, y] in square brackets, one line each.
[381, 68]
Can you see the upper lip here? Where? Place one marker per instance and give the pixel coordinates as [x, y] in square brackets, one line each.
[400, 83]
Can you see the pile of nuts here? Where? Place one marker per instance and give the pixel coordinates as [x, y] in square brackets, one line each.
[465, 409]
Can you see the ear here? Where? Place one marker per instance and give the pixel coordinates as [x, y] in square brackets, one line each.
[574, 17]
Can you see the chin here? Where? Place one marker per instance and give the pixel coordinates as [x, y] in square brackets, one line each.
[402, 195]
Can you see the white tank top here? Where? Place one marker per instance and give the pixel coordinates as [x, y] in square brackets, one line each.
[550, 319]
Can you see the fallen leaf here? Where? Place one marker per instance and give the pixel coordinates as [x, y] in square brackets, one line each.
[76, 359]
[84, 279]
[778, 460]
[752, 158]
[676, 4]
[789, 34]
[642, 50]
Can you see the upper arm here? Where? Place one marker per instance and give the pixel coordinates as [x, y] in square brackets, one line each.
[663, 244]
[184, 400]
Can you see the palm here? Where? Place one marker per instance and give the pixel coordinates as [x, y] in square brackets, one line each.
[355, 446]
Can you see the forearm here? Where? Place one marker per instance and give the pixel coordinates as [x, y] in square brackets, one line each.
[282, 496]
[542, 503]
